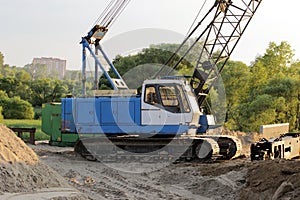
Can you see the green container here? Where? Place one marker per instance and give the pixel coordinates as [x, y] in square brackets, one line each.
[51, 125]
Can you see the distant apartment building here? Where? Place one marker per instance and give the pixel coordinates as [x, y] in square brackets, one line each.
[55, 66]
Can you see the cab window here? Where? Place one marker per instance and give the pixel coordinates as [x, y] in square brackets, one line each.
[150, 95]
[170, 97]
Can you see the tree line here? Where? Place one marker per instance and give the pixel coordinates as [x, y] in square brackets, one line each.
[265, 92]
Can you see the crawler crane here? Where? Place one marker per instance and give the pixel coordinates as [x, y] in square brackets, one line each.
[164, 120]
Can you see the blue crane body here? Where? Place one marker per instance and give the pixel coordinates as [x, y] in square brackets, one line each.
[106, 115]
[171, 113]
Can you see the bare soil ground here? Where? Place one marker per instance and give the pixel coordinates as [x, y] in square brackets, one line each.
[176, 181]
[39, 177]
[235, 179]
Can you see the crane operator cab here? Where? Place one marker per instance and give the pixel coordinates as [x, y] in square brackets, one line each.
[168, 102]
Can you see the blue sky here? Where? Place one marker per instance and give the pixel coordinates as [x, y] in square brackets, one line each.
[53, 28]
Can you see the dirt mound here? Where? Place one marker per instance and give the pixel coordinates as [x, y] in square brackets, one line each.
[274, 180]
[20, 169]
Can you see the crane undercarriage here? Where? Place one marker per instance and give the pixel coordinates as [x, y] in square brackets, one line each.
[135, 149]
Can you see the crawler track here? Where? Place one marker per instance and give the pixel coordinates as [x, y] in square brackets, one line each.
[149, 150]
[230, 146]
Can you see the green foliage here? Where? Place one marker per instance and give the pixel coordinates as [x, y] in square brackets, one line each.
[3, 98]
[156, 55]
[9, 85]
[47, 90]
[268, 93]
[23, 76]
[278, 57]
[16, 108]
[236, 77]
[146, 56]
[144, 65]
[36, 71]
[258, 112]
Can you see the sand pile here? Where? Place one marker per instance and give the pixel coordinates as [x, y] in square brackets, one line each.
[13, 149]
[20, 169]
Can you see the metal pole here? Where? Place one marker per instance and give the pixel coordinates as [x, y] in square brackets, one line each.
[96, 81]
[83, 69]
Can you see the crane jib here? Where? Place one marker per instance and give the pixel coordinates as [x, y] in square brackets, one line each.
[218, 32]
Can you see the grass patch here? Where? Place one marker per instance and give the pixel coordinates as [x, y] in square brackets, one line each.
[16, 123]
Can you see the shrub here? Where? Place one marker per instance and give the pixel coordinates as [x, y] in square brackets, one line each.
[16, 108]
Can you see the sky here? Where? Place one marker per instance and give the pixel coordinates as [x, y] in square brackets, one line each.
[53, 28]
